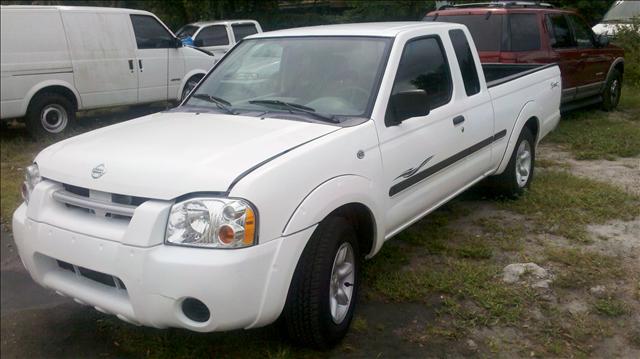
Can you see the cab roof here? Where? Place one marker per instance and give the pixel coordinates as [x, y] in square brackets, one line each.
[220, 22]
[377, 29]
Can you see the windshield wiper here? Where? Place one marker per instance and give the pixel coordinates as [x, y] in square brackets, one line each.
[296, 107]
[219, 102]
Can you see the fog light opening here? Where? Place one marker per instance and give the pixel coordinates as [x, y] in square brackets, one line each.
[195, 310]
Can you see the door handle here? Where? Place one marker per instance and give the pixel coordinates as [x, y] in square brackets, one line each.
[140, 65]
[458, 120]
[131, 65]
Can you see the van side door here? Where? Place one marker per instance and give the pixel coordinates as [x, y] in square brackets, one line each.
[593, 63]
[159, 64]
[419, 154]
[103, 57]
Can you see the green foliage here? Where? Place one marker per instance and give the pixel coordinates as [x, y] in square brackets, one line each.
[629, 39]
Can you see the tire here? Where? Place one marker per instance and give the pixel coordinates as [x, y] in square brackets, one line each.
[190, 85]
[518, 175]
[308, 315]
[50, 114]
[612, 91]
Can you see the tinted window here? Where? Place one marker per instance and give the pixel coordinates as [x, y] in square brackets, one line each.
[560, 35]
[582, 32]
[524, 31]
[150, 34]
[240, 31]
[486, 32]
[465, 61]
[423, 66]
[214, 36]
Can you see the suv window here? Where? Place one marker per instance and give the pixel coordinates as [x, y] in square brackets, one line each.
[240, 31]
[486, 32]
[524, 31]
[215, 35]
[465, 61]
[582, 32]
[424, 66]
[559, 32]
[150, 34]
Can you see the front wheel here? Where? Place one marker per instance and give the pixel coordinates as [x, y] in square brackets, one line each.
[324, 288]
[190, 85]
[519, 172]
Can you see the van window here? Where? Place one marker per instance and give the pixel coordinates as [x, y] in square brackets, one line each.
[240, 31]
[465, 61]
[524, 31]
[215, 35]
[583, 34]
[486, 32]
[150, 34]
[559, 33]
[424, 66]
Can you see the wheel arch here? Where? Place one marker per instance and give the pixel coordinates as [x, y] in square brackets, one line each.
[186, 78]
[56, 86]
[528, 118]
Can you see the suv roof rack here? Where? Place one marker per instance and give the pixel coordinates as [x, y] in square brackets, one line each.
[500, 4]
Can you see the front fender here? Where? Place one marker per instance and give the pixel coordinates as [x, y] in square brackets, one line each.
[331, 195]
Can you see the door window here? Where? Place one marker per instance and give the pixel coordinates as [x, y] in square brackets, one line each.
[215, 35]
[465, 61]
[525, 35]
[583, 34]
[150, 34]
[424, 66]
[559, 32]
[240, 31]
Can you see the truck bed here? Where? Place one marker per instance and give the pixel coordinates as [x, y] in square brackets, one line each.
[497, 73]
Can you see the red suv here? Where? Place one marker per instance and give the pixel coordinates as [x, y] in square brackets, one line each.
[526, 32]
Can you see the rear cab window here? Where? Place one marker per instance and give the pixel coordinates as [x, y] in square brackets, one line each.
[465, 61]
[240, 31]
[214, 35]
[150, 34]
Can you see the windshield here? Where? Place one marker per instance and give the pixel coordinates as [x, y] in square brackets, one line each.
[331, 76]
[622, 11]
[186, 31]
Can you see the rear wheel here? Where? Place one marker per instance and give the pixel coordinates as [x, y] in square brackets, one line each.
[518, 175]
[612, 91]
[324, 288]
[50, 114]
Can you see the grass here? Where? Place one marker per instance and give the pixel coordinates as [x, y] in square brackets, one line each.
[611, 307]
[594, 134]
[562, 204]
[581, 268]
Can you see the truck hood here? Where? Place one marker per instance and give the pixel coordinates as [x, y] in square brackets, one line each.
[169, 154]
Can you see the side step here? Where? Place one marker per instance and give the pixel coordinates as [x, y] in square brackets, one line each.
[573, 105]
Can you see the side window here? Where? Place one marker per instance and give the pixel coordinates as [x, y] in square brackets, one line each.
[215, 35]
[559, 32]
[465, 61]
[150, 34]
[524, 31]
[424, 66]
[240, 31]
[583, 34]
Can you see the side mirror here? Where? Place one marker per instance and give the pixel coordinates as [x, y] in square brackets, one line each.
[602, 40]
[177, 43]
[198, 43]
[407, 104]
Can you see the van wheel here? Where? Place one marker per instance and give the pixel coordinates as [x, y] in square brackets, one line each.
[190, 85]
[518, 175]
[612, 91]
[324, 288]
[50, 114]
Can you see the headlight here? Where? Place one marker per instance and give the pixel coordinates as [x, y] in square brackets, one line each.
[212, 223]
[31, 179]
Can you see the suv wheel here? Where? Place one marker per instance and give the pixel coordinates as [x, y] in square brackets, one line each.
[612, 91]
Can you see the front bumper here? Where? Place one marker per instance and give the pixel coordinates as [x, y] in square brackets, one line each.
[242, 288]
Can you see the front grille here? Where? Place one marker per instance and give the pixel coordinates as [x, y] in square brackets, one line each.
[102, 278]
[111, 205]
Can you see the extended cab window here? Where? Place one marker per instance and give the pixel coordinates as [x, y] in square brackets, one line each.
[524, 31]
[240, 31]
[150, 34]
[215, 35]
[582, 32]
[559, 32]
[424, 66]
[465, 61]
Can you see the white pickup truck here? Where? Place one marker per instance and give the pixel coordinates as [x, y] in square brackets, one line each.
[298, 155]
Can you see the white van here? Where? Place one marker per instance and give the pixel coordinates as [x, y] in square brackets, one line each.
[218, 37]
[57, 60]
